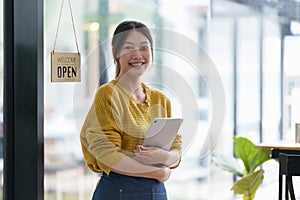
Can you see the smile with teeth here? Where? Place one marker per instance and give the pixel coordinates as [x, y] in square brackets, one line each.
[137, 64]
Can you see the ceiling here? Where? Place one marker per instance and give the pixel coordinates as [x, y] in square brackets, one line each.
[287, 10]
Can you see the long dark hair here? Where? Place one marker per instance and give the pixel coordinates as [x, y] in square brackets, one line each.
[121, 34]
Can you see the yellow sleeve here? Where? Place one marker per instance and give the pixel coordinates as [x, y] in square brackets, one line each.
[101, 137]
[177, 143]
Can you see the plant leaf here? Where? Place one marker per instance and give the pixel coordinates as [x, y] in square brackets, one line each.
[227, 163]
[249, 184]
[245, 150]
[251, 156]
[261, 156]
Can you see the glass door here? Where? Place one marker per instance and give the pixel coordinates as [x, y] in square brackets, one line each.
[66, 175]
[66, 104]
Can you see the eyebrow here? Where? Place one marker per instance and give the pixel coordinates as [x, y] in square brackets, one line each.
[133, 42]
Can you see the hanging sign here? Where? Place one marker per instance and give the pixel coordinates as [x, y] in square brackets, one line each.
[65, 66]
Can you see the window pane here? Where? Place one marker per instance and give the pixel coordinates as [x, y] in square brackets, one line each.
[271, 84]
[291, 86]
[248, 77]
[221, 51]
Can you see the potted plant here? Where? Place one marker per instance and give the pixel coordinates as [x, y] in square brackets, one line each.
[249, 175]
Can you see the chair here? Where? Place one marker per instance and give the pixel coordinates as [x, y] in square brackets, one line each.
[288, 166]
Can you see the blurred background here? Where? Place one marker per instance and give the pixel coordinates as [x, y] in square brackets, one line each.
[253, 44]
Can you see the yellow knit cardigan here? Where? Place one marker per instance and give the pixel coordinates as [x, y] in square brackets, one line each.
[116, 124]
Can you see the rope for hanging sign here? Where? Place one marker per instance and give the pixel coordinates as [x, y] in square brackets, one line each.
[73, 24]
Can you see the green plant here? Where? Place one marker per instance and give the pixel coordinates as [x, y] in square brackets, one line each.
[250, 177]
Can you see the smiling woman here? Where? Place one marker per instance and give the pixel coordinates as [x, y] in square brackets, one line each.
[134, 56]
[136, 46]
[117, 122]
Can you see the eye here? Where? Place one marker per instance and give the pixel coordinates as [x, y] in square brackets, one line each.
[144, 48]
[127, 47]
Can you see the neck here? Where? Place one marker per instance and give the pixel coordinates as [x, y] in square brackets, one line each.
[129, 83]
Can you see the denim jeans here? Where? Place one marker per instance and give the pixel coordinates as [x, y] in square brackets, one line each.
[121, 187]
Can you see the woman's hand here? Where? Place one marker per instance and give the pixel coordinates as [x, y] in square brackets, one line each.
[150, 155]
[154, 156]
[164, 175]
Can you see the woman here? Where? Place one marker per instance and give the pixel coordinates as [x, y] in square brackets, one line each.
[118, 120]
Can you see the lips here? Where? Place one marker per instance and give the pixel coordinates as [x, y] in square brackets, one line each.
[137, 64]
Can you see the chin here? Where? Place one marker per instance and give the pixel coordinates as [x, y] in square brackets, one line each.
[137, 74]
[138, 71]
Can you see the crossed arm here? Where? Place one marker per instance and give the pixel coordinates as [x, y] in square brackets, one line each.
[109, 157]
[142, 163]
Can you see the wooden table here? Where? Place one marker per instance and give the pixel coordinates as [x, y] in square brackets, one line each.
[277, 148]
[280, 147]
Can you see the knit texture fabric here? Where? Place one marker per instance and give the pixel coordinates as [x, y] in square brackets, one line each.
[116, 124]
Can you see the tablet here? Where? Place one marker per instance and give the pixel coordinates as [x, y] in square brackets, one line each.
[162, 132]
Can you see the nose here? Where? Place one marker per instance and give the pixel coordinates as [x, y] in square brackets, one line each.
[136, 54]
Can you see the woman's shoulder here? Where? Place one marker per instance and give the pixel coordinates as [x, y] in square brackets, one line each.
[104, 92]
[110, 91]
[107, 88]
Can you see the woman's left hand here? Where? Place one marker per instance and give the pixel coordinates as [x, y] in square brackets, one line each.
[150, 155]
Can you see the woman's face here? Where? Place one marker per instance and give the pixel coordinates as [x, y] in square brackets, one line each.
[135, 54]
